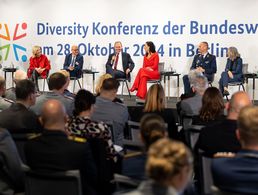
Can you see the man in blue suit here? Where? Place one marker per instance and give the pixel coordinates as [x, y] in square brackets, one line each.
[119, 64]
[203, 62]
[74, 62]
[239, 174]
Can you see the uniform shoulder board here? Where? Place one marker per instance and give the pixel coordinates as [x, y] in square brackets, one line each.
[33, 135]
[8, 100]
[77, 139]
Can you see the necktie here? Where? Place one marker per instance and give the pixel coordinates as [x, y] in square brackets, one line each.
[73, 60]
[116, 61]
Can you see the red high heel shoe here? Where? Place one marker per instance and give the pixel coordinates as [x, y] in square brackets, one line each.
[132, 89]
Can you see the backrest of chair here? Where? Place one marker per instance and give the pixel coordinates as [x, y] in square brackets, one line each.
[245, 68]
[161, 66]
[205, 173]
[134, 130]
[65, 183]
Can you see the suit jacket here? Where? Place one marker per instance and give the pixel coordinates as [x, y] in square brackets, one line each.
[126, 61]
[11, 174]
[208, 63]
[192, 105]
[39, 62]
[78, 65]
[238, 174]
[53, 150]
[26, 121]
[220, 137]
[235, 67]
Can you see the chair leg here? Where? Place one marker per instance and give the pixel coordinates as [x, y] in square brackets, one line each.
[74, 81]
[123, 88]
[243, 87]
[128, 89]
[79, 83]
[44, 80]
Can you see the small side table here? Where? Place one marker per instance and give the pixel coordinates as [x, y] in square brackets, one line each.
[169, 74]
[251, 76]
[86, 71]
[9, 70]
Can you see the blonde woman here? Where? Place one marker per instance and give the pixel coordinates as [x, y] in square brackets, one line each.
[100, 82]
[155, 103]
[39, 65]
[169, 169]
[233, 71]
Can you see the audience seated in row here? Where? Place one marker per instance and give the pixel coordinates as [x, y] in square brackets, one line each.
[152, 128]
[221, 137]
[18, 75]
[54, 151]
[57, 84]
[168, 167]
[108, 111]
[239, 174]
[66, 91]
[18, 118]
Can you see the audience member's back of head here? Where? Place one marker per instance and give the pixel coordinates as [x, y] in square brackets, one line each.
[212, 104]
[166, 160]
[238, 100]
[53, 114]
[24, 88]
[100, 82]
[83, 101]
[110, 85]
[2, 82]
[192, 75]
[20, 75]
[155, 99]
[56, 81]
[248, 126]
[152, 128]
[200, 84]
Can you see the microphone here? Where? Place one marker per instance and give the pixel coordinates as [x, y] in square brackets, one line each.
[114, 58]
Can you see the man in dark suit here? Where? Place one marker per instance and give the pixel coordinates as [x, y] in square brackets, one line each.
[239, 174]
[18, 118]
[74, 62]
[203, 62]
[53, 150]
[210, 139]
[119, 64]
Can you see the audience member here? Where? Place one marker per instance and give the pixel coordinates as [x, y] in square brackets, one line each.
[152, 128]
[233, 71]
[169, 168]
[119, 64]
[203, 62]
[39, 66]
[155, 103]
[74, 62]
[239, 174]
[54, 151]
[12, 178]
[221, 137]
[4, 103]
[18, 75]
[212, 110]
[18, 118]
[150, 70]
[66, 91]
[81, 124]
[108, 111]
[57, 84]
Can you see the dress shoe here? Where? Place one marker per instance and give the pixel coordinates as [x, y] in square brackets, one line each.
[225, 93]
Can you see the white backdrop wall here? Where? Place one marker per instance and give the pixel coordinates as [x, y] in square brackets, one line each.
[95, 25]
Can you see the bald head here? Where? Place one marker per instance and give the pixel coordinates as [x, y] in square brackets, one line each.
[53, 115]
[20, 75]
[75, 50]
[238, 101]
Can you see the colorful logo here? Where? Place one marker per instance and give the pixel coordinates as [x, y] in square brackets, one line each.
[17, 35]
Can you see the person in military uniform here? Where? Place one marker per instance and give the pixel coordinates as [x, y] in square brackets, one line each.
[4, 103]
[54, 150]
[204, 62]
[26, 120]
[57, 84]
[18, 75]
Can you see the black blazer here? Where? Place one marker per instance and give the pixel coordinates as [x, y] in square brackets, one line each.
[77, 72]
[208, 63]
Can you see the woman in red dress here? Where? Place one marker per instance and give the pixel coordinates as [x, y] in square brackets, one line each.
[148, 71]
[39, 65]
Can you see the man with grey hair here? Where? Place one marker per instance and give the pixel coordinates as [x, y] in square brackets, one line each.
[4, 103]
[192, 105]
[18, 75]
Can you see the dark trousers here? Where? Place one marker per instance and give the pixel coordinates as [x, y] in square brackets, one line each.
[34, 77]
[117, 74]
[224, 80]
